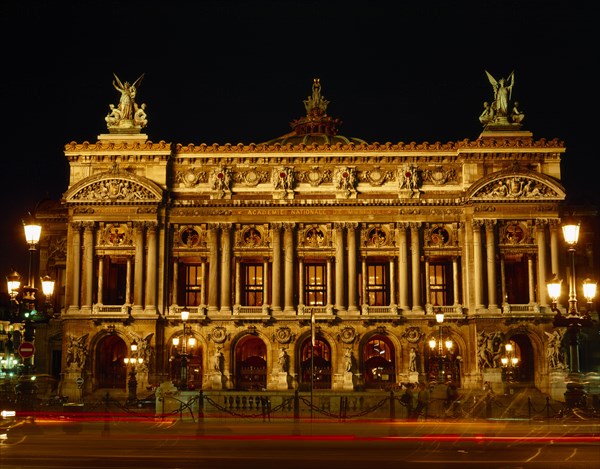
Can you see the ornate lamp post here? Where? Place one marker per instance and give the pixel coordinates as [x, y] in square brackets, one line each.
[443, 355]
[574, 320]
[132, 383]
[183, 353]
[23, 298]
[510, 363]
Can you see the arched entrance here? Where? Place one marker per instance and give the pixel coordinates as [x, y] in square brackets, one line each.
[320, 365]
[523, 350]
[251, 364]
[110, 369]
[380, 367]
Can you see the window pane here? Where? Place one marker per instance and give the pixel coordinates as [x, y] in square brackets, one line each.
[377, 287]
[315, 284]
[253, 284]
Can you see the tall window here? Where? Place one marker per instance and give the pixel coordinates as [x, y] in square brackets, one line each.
[440, 291]
[316, 284]
[115, 280]
[193, 284]
[253, 284]
[377, 284]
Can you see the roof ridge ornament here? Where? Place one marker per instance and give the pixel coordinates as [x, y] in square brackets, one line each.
[127, 117]
[316, 105]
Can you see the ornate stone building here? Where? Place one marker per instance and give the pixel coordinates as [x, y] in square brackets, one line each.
[311, 251]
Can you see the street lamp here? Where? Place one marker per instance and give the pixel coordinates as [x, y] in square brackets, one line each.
[574, 320]
[133, 361]
[183, 353]
[509, 363]
[443, 355]
[23, 299]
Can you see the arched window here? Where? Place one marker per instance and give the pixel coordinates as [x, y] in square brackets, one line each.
[251, 364]
[320, 365]
[379, 369]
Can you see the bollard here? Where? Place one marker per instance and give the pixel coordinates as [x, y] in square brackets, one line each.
[392, 406]
[296, 406]
[200, 407]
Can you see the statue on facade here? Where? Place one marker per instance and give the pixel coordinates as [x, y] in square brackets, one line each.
[412, 362]
[348, 359]
[502, 110]
[77, 351]
[127, 114]
[283, 360]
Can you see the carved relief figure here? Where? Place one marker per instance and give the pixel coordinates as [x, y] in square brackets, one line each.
[283, 360]
[554, 349]
[77, 351]
[412, 363]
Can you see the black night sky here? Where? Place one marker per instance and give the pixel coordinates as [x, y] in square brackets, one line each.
[238, 71]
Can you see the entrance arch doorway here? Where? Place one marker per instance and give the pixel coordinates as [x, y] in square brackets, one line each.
[379, 364]
[524, 352]
[110, 369]
[251, 364]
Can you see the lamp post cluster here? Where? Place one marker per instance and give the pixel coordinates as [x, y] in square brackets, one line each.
[25, 310]
[573, 320]
[132, 362]
[510, 363]
[183, 352]
[441, 349]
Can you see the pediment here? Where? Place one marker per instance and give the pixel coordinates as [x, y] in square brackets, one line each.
[517, 185]
[114, 187]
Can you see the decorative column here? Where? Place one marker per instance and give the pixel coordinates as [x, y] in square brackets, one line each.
[128, 282]
[265, 303]
[329, 284]
[151, 269]
[531, 279]
[88, 266]
[352, 266]
[301, 283]
[340, 276]
[455, 281]
[478, 264]
[403, 266]
[226, 268]
[288, 247]
[100, 278]
[238, 283]
[276, 268]
[138, 271]
[365, 300]
[175, 281]
[490, 244]
[415, 247]
[75, 289]
[392, 283]
[427, 283]
[213, 269]
[540, 230]
[554, 246]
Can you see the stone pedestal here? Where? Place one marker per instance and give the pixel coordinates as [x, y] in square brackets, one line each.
[216, 380]
[413, 377]
[280, 381]
[70, 385]
[558, 383]
[493, 376]
[348, 383]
